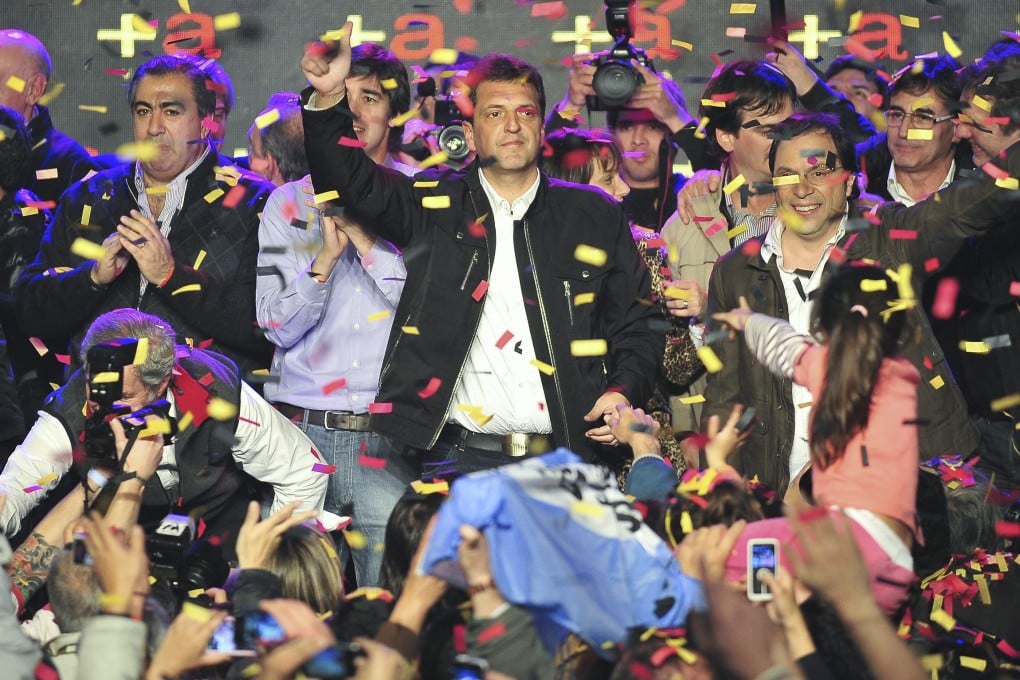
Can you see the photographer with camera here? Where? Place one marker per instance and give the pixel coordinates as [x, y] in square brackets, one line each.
[131, 365]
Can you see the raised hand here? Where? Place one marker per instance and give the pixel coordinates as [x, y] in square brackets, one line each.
[327, 64]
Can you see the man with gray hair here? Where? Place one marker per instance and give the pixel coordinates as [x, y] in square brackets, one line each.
[224, 428]
[276, 141]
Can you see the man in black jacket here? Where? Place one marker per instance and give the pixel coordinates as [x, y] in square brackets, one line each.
[174, 233]
[508, 274]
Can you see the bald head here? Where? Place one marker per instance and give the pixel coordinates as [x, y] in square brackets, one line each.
[25, 68]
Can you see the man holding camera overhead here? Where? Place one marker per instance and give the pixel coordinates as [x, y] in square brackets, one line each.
[223, 429]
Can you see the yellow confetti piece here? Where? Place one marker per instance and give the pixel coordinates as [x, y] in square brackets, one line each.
[94, 108]
[686, 525]
[734, 184]
[923, 102]
[397, 121]
[904, 278]
[926, 135]
[47, 173]
[932, 663]
[587, 509]
[195, 592]
[986, 596]
[355, 539]
[142, 151]
[426, 185]
[328, 545]
[141, 352]
[380, 315]
[937, 382]
[943, 619]
[43, 481]
[736, 231]
[952, 49]
[677, 293]
[973, 663]
[86, 214]
[743, 8]
[910, 22]
[686, 45]
[389, 84]
[709, 359]
[873, 285]
[981, 103]
[855, 21]
[693, 399]
[435, 202]
[425, 488]
[266, 119]
[219, 408]
[195, 612]
[699, 132]
[589, 348]
[226, 22]
[29, 210]
[672, 254]
[975, 347]
[84, 248]
[52, 94]
[444, 55]
[410, 330]
[1005, 403]
[1007, 183]
[583, 299]
[596, 257]
[15, 83]
[214, 195]
[251, 670]
[437, 158]
[199, 260]
[185, 6]
[719, 104]
[184, 422]
[110, 600]
[40, 346]
[326, 196]
[785, 180]
[190, 288]
[542, 366]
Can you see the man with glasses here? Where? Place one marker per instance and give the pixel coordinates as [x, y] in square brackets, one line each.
[814, 174]
[919, 153]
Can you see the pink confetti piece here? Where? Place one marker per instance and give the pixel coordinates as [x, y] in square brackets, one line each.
[549, 10]
[431, 388]
[372, 462]
[503, 339]
[64, 359]
[337, 384]
[380, 407]
[493, 632]
[1007, 529]
[250, 422]
[30, 489]
[716, 226]
[945, 298]
[353, 143]
[324, 468]
[1014, 288]
[314, 452]
[233, 197]
[903, 234]
[480, 290]
[931, 264]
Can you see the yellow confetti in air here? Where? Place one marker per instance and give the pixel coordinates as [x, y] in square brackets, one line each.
[736, 231]
[39, 346]
[141, 352]
[437, 158]
[1007, 183]
[873, 285]
[717, 103]
[326, 197]
[355, 539]
[981, 103]
[199, 260]
[111, 600]
[226, 22]
[195, 612]
[932, 663]
[214, 195]
[910, 22]
[937, 382]
[589, 348]
[855, 21]
[29, 210]
[734, 184]
[15, 83]
[699, 132]
[380, 315]
[672, 254]
[952, 49]
[977, 347]
[681, 43]
[426, 185]
[266, 119]
[785, 180]
[596, 257]
[86, 214]
[184, 422]
[444, 55]
[709, 358]
[389, 84]
[542, 366]
[142, 151]
[435, 202]
[84, 248]
[1005, 403]
[397, 121]
[926, 135]
[219, 408]
[904, 281]
[47, 173]
[686, 524]
[185, 6]
[583, 299]
[922, 102]
[195, 592]
[52, 94]
[94, 108]
[677, 293]
[587, 509]
[425, 488]
[743, 8]
[410, 330]
[43, 481]
[973, 663]
[693, 399]
[943, 619]
[190, 288]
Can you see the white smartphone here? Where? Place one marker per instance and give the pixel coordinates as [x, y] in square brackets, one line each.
[762, 555]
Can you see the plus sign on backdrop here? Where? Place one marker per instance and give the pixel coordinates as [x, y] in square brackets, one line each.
[96, 43]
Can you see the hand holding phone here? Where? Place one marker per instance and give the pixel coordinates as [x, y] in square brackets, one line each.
[762, 556]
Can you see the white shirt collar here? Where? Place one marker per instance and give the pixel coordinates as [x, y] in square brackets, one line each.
[520, 206]
[900, 195]
[773, 243]
[178, 181]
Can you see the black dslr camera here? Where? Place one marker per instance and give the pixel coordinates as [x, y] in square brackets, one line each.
[106, 363]
[616, 79]
[448, 119]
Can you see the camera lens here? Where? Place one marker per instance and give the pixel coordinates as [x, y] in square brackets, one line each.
[453, 142]
[615, 83]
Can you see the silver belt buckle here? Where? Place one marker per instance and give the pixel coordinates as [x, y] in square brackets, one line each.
[516, 445]
[338, 419]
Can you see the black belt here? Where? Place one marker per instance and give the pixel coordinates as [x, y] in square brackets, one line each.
[329, 420]
[515, 444]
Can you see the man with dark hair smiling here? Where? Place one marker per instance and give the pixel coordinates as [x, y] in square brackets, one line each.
[487, 359]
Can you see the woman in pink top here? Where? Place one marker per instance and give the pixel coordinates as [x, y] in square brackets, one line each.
[862, 435]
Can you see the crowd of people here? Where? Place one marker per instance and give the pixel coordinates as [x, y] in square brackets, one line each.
[440, 381]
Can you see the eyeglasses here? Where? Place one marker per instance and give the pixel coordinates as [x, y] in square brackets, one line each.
[918, 120]
[816, 177]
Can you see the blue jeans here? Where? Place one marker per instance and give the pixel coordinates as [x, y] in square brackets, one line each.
[448, 457]
[366, 494]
